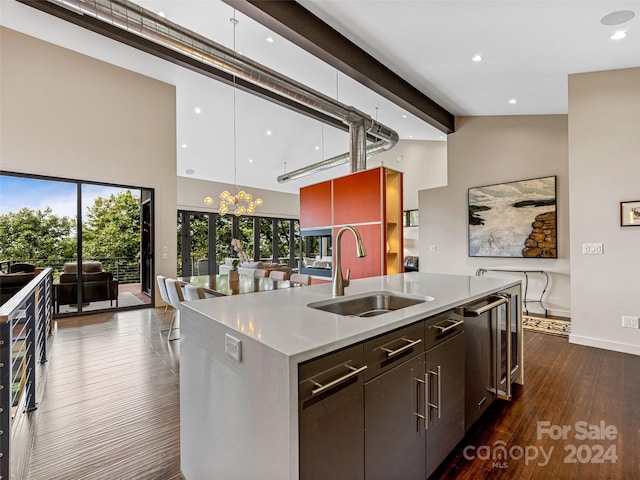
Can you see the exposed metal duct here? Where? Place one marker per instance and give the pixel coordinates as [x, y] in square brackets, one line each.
[134, 19]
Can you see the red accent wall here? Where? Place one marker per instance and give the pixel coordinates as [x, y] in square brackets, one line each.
[357, 197]
[369, 266]
[315, 205]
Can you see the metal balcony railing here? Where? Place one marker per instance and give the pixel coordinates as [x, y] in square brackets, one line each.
[25, 328]
[124, 269]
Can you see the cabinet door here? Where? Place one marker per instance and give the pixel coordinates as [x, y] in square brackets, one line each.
[394, 429]
[316, 205]
[331, 417]
[357, 198]
[445, 389]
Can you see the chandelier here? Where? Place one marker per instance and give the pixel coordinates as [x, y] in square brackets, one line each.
[242, 203]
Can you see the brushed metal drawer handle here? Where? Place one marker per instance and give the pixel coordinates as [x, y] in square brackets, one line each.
[410, 344]
[450, 327]
[323, 388]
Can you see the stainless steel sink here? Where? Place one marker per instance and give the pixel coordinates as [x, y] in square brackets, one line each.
[369, 304]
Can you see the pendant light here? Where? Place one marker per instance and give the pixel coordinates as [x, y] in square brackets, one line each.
[242, 203]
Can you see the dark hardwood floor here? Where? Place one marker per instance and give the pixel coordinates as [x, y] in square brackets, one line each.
[111, 409]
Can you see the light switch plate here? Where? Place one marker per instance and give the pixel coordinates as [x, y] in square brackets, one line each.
[630, 322]
[233, 347]
[592, 248]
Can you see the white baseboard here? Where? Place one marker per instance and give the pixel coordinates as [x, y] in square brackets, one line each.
[605, 344]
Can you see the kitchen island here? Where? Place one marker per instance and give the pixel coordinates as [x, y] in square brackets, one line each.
[240, 358]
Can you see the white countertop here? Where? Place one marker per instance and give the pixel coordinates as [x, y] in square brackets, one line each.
[282, 321]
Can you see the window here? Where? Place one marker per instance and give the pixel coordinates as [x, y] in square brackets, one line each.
[263, 238]
[411, 218]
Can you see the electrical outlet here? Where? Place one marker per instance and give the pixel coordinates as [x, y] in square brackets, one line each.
[630, 322]
[233, 347]
[433, 248]
[592, 248]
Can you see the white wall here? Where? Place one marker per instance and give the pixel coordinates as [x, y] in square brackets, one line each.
[424, 160]
[604, 166]
[424, 164]
[485, 151]
[192, 191]
[68, 115]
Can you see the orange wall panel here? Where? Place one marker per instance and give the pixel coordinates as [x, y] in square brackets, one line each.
[369, 266]
[357, 197]
[315, 205]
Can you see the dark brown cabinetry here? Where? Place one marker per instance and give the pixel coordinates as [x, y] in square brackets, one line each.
[391, 407]
[331, 419]
[445, 399]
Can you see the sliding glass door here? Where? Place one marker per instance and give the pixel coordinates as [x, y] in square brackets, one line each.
[97, 238]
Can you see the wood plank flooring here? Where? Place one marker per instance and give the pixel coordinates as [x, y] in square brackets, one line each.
[111, 408]
[111, 403]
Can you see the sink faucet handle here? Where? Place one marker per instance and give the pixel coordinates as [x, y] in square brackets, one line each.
[348, 275]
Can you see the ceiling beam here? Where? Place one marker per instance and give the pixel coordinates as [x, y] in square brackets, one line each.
[292, 21]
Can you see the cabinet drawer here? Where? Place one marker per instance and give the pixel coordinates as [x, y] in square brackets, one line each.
[442, 327]
[393, 348]
[328, 369]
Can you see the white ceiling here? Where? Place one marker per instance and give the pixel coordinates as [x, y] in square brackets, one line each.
[528, 49]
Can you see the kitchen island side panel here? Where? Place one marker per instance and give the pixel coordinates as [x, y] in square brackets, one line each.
[235, 417]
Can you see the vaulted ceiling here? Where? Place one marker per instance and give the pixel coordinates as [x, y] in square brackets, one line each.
[527, 50]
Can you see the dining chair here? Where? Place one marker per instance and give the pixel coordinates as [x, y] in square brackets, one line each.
[162, 288]
[191, 292]
[260, 273]
[278, 275]
[176, 297]
[300, 279]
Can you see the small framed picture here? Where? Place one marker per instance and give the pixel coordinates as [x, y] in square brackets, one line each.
[630, 213]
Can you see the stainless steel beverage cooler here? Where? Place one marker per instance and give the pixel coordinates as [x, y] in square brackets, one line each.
[493, 350]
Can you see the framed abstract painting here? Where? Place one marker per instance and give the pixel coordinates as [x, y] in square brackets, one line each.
[514, 219]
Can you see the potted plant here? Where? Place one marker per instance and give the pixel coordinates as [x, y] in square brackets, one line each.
[233, 273]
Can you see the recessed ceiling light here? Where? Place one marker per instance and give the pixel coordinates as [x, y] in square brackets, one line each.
[404, 116]
[189, 171]
[620, 34]
[268, 132]
[317, 147]
[161, 13]
[184, 145]
[251, 160]
[512, 101]
[441, 137]
[197, 110]
[616, 18]
[477, 58]
[410, 136]
[270, 39]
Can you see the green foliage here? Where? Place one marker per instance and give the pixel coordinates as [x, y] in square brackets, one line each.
[112, 227]
[199, 234]
[36, 234]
